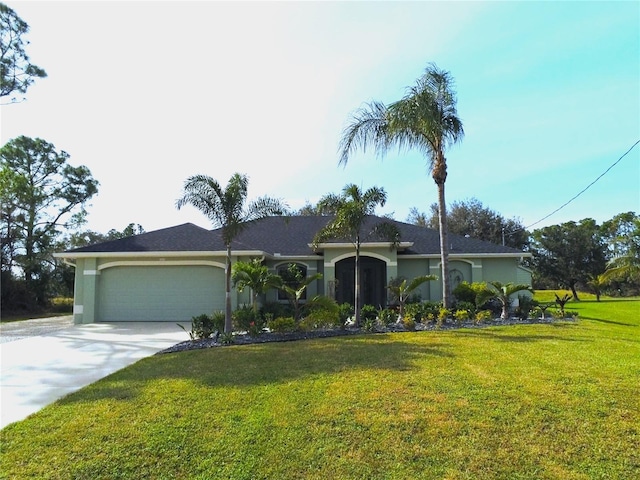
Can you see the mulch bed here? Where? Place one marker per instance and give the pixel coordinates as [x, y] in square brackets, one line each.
[241, 338]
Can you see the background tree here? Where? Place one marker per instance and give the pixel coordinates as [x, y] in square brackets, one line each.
[40, 193]
[470, 217]
[89, 237]
[64, 274]
[255, 276]
[416, 217]
[16, 71]
[622, 237]
[226, 208]
[565, 255]
[353, 207]
[425, 119]
[318, 209]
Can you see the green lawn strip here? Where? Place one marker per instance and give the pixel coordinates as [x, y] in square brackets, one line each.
[526, 401]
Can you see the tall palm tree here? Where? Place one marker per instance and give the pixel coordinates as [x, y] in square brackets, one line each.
[226, 209]
[425, 119]
[351, 209]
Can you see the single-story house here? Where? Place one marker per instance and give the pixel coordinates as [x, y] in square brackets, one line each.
[178, 272]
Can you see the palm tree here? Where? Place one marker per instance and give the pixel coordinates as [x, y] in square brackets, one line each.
[425, 119]
[351, 209]
[401, 290]
[597, 284]
[295, 285]
[623, 267]
[503, 294]
[254, 275]
[226, 209]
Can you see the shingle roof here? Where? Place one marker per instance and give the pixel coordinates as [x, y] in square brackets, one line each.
[288, 236]
[186, 237]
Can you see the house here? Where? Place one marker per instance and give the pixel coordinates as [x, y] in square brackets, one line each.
[176, 273]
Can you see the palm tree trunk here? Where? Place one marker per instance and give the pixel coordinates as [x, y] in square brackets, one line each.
[357, 285]
[444, 247]
[228, 326]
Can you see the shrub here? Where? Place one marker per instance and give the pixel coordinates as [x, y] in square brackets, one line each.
[62, 305]
[525, 305]
[217, 319]
[226, 338]
[283, 325]
[409, 323]
[345, 311]
[322, 312]
[387, 316]
[369, 324]
[461, 315]
[430, 310]
[483, 316]
[244, 317]
[202, 326]
[368, 312]
[254, 330]
[323, 319]
[464, 293]
[443, 314]
[277, 309]
[413, 310]
[468, 306]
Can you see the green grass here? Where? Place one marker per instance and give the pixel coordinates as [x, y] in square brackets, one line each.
[556, 401]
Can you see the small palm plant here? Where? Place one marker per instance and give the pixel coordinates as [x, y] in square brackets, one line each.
[295, 286]
[562, 301]
[401, 290]
[503, 293]
[255, 276]
[597, 284]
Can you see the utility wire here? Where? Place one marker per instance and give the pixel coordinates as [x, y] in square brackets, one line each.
[579, 193]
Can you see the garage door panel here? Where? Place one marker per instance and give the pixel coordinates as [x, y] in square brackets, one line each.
[159, 293]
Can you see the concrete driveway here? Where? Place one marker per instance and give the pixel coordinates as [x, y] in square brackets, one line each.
[44, 360]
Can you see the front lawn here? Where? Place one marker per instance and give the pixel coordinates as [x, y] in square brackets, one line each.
[515, 402]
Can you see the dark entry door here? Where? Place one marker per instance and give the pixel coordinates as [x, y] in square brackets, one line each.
[372, 281]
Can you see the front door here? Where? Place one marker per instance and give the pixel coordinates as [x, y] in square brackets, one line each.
[373, 278]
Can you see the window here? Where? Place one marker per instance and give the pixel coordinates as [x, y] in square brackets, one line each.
[293, 275]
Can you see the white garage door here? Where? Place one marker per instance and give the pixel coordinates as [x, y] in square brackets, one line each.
[159, 293]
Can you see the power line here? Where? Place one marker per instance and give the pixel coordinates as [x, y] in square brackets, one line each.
[581, 192]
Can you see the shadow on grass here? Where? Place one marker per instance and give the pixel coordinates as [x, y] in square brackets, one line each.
[517, 337]
[611, 322]
[265, 364]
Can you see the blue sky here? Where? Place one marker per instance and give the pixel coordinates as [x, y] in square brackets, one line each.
[148, 93]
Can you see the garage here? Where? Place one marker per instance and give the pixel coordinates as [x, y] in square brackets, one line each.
[158, 293]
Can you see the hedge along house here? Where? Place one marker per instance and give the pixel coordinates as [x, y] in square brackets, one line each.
[176, 273]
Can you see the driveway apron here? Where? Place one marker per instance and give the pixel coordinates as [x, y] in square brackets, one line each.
[42, 365]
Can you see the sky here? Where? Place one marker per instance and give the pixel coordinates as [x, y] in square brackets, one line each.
[148, 93]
